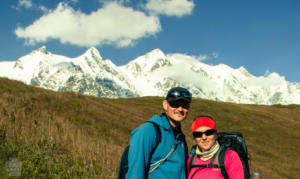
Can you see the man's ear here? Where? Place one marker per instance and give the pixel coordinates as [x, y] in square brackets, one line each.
[165, 104]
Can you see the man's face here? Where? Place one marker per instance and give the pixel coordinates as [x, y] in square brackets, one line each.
[178, 110]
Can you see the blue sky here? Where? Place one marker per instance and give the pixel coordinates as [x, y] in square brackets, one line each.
[261, 35]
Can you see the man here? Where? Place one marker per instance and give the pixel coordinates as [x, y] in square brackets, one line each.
[143, 140]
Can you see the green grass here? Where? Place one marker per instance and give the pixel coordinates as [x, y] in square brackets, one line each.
[68, 135]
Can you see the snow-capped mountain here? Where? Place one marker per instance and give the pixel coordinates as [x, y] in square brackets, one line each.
[87, 74]
[152, 74]
[159, 72]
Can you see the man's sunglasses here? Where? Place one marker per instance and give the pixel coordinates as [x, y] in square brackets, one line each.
[182, 104]
[207, 133]
[177, 94]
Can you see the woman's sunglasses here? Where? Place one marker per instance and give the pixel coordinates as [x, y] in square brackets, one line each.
[207, 133]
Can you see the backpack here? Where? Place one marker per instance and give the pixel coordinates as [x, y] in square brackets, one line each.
[124, 159]
[227, 140]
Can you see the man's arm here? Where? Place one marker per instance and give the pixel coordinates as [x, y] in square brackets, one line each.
[142, 141]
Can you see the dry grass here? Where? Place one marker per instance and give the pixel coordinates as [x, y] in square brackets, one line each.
[66, 134]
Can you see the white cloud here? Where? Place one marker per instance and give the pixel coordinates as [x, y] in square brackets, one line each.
[205, 57]
[43, 8]
[28, 4]
[24, 3]
[202, 57]
[176, 8]
[273, 79]
[112, 24]
[117, 1]
[267, 73]
[208, 56]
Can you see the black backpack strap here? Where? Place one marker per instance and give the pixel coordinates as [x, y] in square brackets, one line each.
[192, 162]
[124, 164]
[206, 166]
[124, 159]
[193, 158]
[221, 163]
[158, 140]
[210, 165]
[186, 156]
[158, 135]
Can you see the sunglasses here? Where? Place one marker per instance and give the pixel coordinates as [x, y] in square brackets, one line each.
[177, 94]
[207, 133]
[182, 104]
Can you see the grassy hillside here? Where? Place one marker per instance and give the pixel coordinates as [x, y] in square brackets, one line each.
[70, 135]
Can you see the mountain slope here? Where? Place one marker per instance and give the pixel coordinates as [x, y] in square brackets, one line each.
[59, 134]
[149, 75]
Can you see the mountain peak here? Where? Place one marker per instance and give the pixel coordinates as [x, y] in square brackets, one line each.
[149, 62]
[43, 49]
[93, 52]
[244, 71]
[157, 50]
[155, 54]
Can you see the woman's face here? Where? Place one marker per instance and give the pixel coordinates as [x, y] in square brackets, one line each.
[205, 142]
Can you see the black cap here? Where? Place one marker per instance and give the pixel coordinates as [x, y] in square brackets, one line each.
[178, 93]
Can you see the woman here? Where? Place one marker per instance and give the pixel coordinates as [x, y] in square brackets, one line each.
[205, 135]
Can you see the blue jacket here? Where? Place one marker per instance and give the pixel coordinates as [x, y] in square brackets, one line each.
[143, 140]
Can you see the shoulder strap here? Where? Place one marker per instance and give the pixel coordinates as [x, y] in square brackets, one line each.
[210, 165]
[221, 159]
[193, 158]
[221, 162]
[124, 159]
[158, 140]
[158, 135]
[157, 164]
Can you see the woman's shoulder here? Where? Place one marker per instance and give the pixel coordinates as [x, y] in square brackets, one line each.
[231, 156]
[233, 165]
[231, 152]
